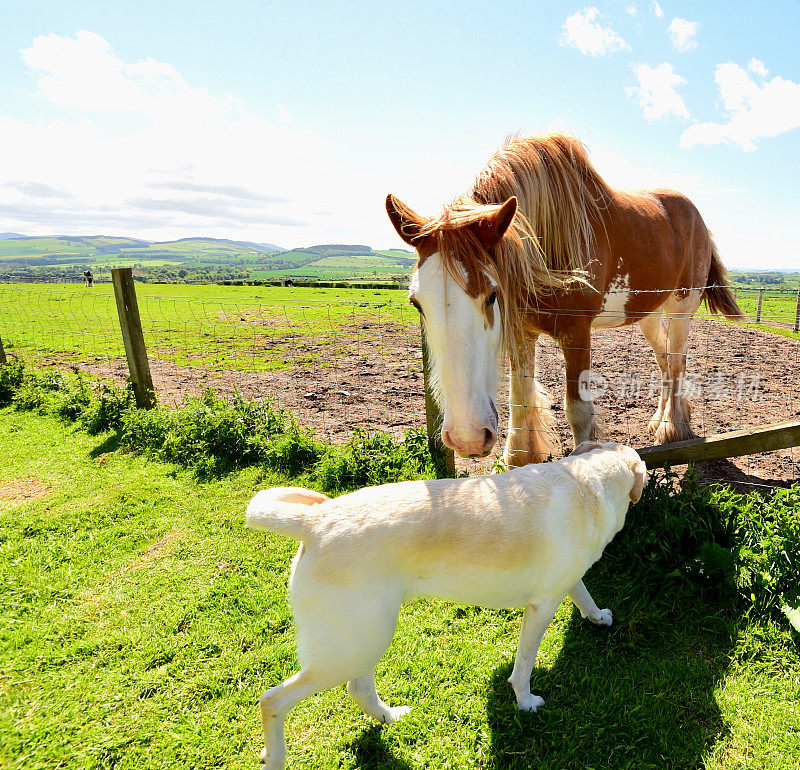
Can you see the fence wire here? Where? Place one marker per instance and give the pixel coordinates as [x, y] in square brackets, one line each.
[346, 359]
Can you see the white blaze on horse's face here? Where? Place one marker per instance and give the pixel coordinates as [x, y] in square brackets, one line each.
[464, 338]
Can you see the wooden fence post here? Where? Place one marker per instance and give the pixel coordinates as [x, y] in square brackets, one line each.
[797, 314]
[3, 359]
[132, 336]
[433, 417]
[760, 300]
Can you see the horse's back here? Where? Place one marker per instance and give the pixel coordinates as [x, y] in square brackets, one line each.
[664, 237]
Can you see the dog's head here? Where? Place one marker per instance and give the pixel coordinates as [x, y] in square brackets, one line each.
[635, 463]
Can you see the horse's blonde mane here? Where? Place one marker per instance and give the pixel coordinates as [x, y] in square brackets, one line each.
[549, 244]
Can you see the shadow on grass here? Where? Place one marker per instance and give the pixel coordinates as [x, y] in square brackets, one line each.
[109, 444]
[726, 472]
[370, 750]
[639, 694]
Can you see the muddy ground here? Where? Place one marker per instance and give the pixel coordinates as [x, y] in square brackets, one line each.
[372, 378]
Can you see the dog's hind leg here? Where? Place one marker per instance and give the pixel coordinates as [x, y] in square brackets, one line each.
[535, 621]
[277, 702]
[584, 602]
[362, 691]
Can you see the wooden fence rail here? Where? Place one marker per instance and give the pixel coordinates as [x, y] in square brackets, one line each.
[779, 435]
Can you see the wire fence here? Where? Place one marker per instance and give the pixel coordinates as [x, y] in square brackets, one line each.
[350, 358]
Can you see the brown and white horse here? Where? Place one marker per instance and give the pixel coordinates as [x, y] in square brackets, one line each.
[542, 245]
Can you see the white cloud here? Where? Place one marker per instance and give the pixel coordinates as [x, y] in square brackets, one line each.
[657, 10]
[136, 147]
[584, 32]
[756, 66]
[284, 115]
[630, 9]
[682, 33]
[755, 111]
[657, 93]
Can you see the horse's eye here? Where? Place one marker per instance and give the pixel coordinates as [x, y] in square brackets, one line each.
[491, 299]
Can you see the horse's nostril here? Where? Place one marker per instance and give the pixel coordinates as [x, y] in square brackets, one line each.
[488, 437]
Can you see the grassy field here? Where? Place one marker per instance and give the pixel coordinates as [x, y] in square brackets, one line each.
[339, 267]
[221, 327]
[141, 622]
[230, 327]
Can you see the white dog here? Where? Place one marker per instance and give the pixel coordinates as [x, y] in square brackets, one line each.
[521, 538]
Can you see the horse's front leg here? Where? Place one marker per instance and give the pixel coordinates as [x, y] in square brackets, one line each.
[576, 346]
[530, 421]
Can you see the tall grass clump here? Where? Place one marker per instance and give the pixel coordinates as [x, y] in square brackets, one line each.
[215, 434]
[376, 458]
[713, 542]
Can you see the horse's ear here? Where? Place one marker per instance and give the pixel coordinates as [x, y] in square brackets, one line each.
[405, 220]
[491, 229]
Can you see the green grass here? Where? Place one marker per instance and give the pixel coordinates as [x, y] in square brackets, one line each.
[246, 328]
[141, 622]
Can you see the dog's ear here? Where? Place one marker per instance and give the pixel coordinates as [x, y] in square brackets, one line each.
[585, 446]
[639, 480]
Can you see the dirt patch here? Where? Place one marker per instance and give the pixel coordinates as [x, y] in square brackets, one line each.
[99, 598]
[370, 376]
[14, 492]
[155, 552]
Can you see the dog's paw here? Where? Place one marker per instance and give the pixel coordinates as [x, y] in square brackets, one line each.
[530, 703]
[393, 714]
[269, 764]
[605, 619]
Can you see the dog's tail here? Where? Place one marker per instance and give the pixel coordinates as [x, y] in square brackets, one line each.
[284, 510]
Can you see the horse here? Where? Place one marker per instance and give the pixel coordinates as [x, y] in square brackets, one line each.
[541, 244]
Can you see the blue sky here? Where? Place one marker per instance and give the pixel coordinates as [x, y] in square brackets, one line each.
[289, 122]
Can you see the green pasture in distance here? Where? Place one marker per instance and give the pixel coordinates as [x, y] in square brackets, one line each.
[338, 267]
[246, 328]
[36, 247]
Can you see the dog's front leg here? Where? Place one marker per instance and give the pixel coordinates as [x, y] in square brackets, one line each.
[584, 602]
[535, 621]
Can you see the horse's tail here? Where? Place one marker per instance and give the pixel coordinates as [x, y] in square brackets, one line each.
[284, 510]
[718, 294]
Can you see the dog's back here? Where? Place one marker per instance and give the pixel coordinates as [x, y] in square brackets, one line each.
[486, 540]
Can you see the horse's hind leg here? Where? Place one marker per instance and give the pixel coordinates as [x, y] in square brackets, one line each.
[655, 333]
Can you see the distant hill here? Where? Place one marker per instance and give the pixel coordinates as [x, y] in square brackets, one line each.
[190, 259]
